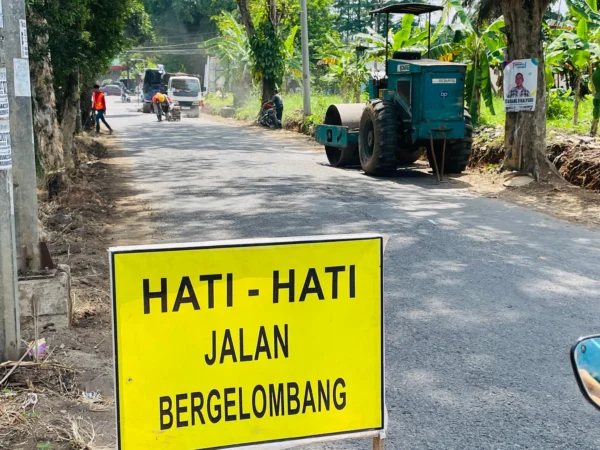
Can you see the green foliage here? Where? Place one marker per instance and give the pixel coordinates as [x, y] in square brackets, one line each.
[232, 48]
[179, 22]
[138, 28]
[321, 21]
[190, 12]
[352, 16]
[559, 103]
[482, 50]
[561, 121]
[292, 56]
[83, 36]
[44, 446]
[346, 68]
[292, 112]
[573, 48]
[267, 51]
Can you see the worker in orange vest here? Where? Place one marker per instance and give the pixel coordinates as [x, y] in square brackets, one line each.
[99, 105]
[161, 103]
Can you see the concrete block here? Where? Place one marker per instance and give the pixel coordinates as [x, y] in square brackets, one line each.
[227, 111]
[52, 295]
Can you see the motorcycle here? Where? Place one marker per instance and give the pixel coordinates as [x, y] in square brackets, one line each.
[268, 116]
[125, 98]
[585, 360]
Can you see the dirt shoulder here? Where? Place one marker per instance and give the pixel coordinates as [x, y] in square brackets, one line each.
[559, 200]
[72, 386]
[575, 197]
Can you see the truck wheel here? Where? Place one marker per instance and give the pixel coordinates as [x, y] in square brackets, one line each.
[378, 137]
[146, 108]
[457, 153]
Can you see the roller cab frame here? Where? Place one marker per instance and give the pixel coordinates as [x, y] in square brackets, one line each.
[417, 107]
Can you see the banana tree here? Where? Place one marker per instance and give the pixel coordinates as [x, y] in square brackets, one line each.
[408, 37]
[581, 48]
[293, 61]
[232, 48]
[346, 68]
[482, 52]
[570, 51]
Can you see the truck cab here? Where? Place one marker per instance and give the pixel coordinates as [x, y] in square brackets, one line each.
[186, 92]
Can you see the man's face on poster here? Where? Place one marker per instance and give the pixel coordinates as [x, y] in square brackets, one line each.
[519, 80]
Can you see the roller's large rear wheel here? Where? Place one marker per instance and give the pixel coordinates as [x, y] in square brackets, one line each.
[379, 137]
[458, 153]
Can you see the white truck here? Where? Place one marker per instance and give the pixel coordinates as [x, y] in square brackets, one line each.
[186, 92]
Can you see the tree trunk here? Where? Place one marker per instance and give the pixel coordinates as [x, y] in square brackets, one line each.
[357, 95]
[69, 119]
[268, 89]
[476, 92]
[500, 83]
[523, 19]
[45, 124]
[273, 13]
[85, 108]
[246, 18]
[78, 124]
[577, 98]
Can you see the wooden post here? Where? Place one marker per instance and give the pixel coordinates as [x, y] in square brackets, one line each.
[378, 443]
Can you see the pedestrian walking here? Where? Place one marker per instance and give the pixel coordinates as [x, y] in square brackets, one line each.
[99, 105]
[278, 102]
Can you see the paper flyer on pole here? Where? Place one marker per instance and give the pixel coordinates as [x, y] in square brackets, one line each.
[5, 149]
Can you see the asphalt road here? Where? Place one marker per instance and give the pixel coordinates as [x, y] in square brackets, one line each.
[483, 299]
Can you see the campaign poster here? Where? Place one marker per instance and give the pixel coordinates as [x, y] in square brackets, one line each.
[520, 85]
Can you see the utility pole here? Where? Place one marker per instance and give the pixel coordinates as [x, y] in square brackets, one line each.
[10, 331]
[305, 60]
[14, 32]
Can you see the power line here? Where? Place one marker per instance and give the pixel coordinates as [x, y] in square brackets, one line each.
[168, 36]
[198, 51]
[166, 46]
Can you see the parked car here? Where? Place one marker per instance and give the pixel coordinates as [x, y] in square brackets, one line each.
[111, 89]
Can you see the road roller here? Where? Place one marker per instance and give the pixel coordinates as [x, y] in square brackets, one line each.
[415, 108]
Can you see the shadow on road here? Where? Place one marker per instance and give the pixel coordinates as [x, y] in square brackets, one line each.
[483, 298]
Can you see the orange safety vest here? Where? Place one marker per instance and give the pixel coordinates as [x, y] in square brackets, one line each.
[99, 101]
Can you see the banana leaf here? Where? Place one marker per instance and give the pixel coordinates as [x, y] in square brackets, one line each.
[585, 10]
[437, 51]
[487, 91]
[405, 31]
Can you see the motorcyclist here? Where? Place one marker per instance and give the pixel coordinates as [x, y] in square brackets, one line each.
[278, 102]
[161, 103]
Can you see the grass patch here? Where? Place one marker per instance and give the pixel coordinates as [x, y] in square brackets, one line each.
[292, 108]
[561, 117]
[560, 111]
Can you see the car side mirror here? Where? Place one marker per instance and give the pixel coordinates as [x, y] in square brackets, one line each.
[585, 359]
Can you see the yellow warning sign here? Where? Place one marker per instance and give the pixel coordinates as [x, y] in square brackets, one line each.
[234, 343]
